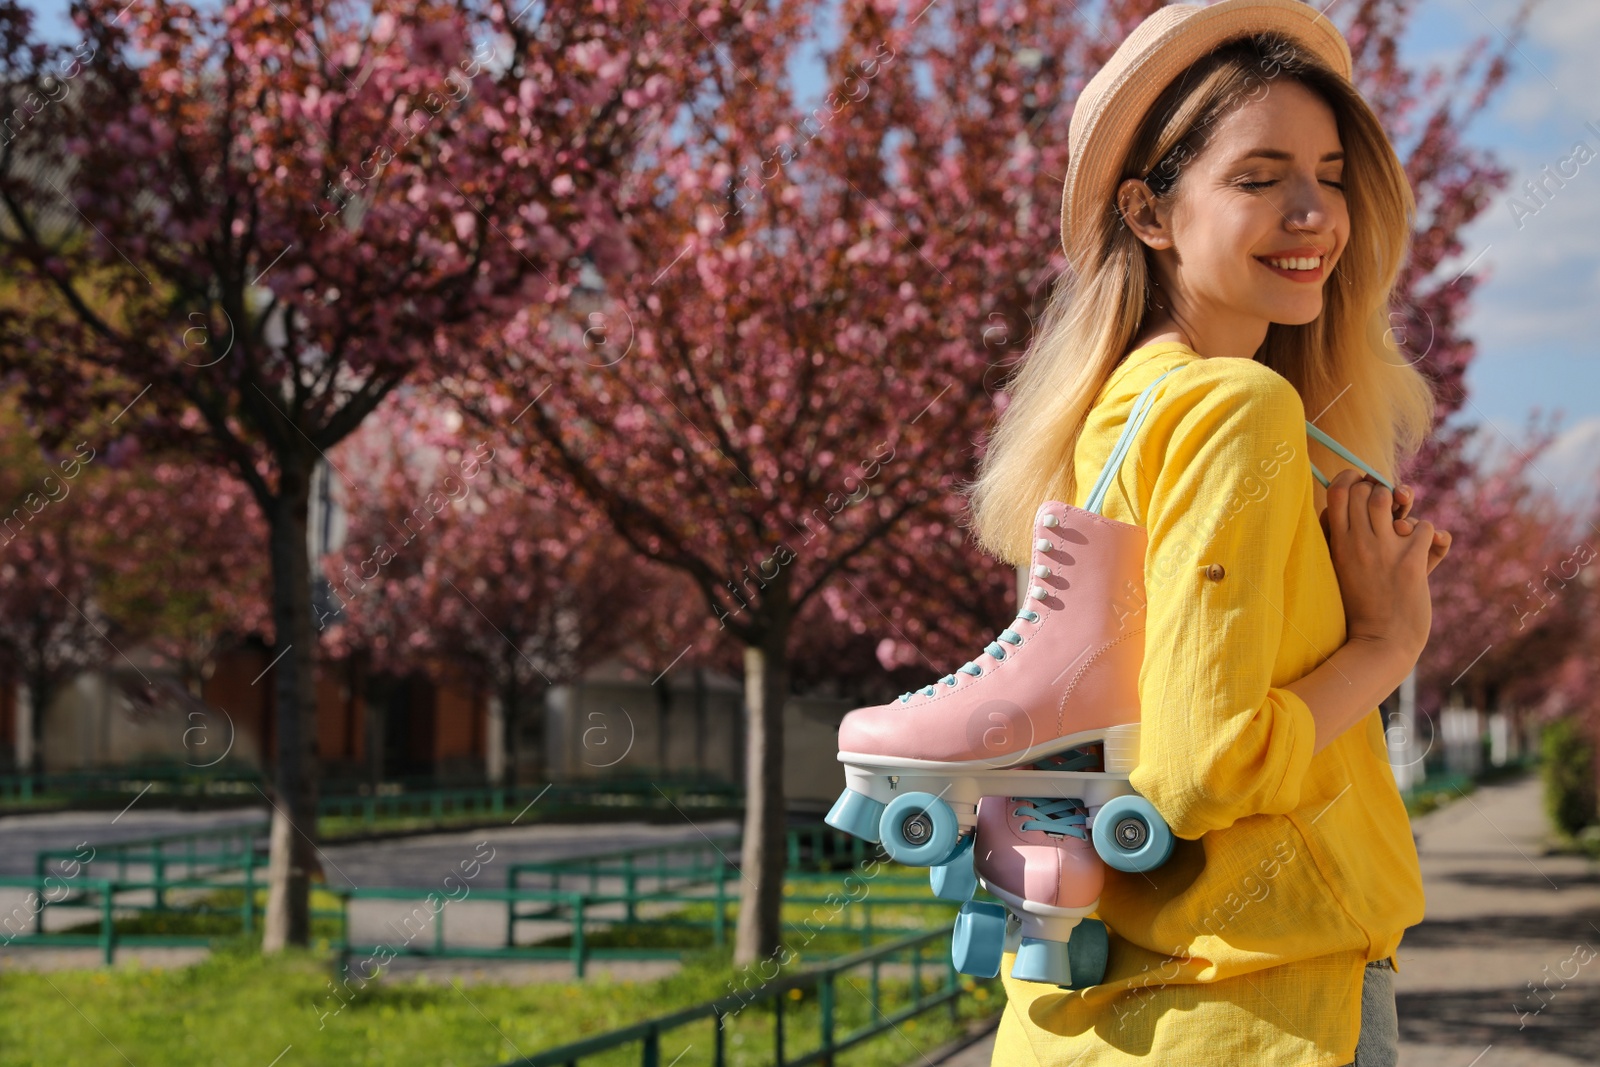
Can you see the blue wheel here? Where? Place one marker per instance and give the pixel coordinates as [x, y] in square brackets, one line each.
[856, 814]
[1087, 952]
[955, 879]
[1131, 835]
[979, 939]
[919, 830]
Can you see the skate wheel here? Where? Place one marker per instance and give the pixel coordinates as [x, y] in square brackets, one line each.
[919, 830]
[1039, 960]
[856, 814]
[955, 879]
[1131, 835]
[1087, 952]
[979, 939]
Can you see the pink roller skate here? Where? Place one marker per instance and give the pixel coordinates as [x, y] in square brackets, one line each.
[1033, 853]
[1063, 675]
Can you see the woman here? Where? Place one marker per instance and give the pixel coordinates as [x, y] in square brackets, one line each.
[1233, 210]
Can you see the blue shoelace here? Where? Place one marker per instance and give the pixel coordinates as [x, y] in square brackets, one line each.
[1059, 815]
[995, 649]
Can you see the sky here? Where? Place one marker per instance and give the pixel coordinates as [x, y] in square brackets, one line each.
[1539, 262]
[1533, 314]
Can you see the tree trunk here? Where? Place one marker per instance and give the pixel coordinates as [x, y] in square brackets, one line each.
[766, 686]
[377, 732]
[1594, 756]
[40, 694]
[510, 718]
[294, 824]
[495, 750]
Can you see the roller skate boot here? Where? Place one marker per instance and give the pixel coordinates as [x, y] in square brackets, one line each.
[1034, 855]
[1064, 674]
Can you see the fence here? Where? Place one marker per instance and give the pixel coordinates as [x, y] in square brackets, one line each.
[362, 800]
[823, 980]
[577, 892]
[100, 897]
[497, 802]
[82, 786]
[199, 853]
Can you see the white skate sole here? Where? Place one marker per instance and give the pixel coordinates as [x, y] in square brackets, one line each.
[961, 785]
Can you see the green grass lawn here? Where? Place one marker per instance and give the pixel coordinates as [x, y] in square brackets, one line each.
[240, 1008]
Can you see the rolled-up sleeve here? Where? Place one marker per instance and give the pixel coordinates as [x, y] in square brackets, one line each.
[1218, 741]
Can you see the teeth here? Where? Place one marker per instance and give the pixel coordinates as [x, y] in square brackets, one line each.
[1297, 263]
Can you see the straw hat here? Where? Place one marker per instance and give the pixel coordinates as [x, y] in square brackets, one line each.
[1114, 103]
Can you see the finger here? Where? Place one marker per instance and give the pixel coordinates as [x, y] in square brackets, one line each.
[1403, 499]
[1422, 543]
[1380, 509]
[1339, 489]
[1339, 500]
[1323, 520]
[1439, 548]
[1360, 495]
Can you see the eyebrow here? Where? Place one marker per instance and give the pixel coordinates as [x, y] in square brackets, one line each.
[1277, 153]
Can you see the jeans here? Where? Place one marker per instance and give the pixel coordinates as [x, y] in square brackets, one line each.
[1379, 1044]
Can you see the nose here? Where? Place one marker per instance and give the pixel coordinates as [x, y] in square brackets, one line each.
[1311, 206]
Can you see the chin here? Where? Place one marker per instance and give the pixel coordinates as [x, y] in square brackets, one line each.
[1296, 316]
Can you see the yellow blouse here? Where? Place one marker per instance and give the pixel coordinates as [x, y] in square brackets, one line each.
[1290, 871]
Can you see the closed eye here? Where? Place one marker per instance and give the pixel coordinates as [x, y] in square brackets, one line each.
[1263, 184]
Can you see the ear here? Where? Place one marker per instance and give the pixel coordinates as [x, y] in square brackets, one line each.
[1146, 216]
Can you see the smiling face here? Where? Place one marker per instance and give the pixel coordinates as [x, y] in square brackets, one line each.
[1253, 228]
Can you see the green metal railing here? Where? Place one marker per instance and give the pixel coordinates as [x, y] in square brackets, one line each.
[93, 893]
[126, 781]
[418, 795]
[810, 849]
[180, 860]
[823, 981]
[100, 896]
[664, 867]
[497, 802]
[579, 911]
[579, 892]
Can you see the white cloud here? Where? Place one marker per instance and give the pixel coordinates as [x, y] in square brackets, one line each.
[1569, 468]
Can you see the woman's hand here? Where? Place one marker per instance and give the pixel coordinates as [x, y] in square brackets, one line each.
[1403, 525]
[1382, 559]
[1404, 497]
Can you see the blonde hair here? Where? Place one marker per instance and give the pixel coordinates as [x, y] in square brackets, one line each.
[1384, 407]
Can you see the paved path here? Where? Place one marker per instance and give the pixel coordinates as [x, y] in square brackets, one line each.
[421, 863]
[1502, 916]
[24, 836]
